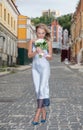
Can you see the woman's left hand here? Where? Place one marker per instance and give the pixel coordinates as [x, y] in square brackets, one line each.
[48, 57]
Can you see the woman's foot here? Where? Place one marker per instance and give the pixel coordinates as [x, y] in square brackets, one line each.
[36, 118]
[35, 123]
[43, 120]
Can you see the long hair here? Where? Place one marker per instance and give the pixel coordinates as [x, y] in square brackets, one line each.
[43, 26]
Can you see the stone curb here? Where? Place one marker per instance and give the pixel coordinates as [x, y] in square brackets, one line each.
[11, 70]
[4, 73]
[78, 68]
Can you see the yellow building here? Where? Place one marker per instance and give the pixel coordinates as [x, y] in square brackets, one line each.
[26, 31]
[77, 33]
[22, 31]
[8, 32]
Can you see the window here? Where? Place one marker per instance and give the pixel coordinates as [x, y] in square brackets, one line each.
[8, 18]
[0, 10]
[14, 25]
[11, 22]
[5, 14]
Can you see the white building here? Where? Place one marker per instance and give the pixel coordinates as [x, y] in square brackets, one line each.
[65, 38]
[8, 32]
[49, 12]
[30, 30]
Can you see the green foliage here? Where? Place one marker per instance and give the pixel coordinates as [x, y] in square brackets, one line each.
[65, 21]
[43, 19]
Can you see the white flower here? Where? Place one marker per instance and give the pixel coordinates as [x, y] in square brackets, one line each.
[39, 41]
[42, 43]
[41, 54]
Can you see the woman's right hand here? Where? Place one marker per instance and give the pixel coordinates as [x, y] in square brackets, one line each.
[39, 50]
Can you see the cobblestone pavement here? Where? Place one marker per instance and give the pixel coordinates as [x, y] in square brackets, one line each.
[18, 102]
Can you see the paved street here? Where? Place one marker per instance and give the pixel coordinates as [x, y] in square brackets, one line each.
[18, 102]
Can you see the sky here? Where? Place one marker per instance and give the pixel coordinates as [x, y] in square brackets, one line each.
[33, 8]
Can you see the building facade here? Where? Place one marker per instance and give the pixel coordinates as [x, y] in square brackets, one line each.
[8, 32]
[49, 12]
[56, 34]
[65, 38]
[77, 33]
[26, 32]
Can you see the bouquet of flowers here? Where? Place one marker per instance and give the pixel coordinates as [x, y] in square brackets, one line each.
[42, 43]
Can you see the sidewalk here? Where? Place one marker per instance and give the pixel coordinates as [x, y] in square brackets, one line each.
[10, 70]
[77, 67]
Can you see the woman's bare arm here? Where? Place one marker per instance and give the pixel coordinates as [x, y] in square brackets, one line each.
[30, 52]
[49, 56]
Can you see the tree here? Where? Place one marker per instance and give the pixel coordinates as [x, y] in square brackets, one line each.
[65, 21]
[43, 19]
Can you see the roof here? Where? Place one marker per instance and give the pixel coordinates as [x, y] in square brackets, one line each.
[15, 6]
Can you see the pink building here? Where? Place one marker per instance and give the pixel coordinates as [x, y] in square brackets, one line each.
[56, 34]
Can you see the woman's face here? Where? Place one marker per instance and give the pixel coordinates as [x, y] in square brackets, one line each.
[40, 33]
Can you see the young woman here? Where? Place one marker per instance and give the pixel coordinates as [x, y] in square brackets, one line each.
[41, 71]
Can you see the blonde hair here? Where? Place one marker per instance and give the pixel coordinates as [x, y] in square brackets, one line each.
[43, 26]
